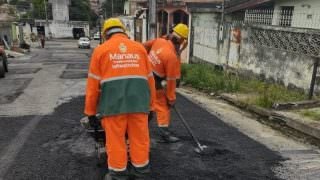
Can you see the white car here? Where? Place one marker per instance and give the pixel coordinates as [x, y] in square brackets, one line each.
[84, 42]
[96, 36]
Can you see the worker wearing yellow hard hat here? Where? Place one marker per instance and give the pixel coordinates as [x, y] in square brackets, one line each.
[120, 87]
[182, 30]
[111, 26]
[164, 54]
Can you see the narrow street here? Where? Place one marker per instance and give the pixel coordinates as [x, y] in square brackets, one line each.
[42, 100]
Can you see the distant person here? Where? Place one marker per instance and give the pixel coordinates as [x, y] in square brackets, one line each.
[42, 40]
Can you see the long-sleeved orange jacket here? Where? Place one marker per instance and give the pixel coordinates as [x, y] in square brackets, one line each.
[165, 63]
[120, 79]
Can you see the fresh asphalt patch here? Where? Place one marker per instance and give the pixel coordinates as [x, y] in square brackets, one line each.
[9, 128]
[59, 148]
[12, 88]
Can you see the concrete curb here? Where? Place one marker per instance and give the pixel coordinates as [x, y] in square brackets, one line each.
[309, 128]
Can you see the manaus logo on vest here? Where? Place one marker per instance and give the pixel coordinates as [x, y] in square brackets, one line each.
[123, 55]
[122, 48]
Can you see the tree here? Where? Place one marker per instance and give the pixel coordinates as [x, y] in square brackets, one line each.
[80, 10]
[118, 6]
[3, 2]
[38, 9]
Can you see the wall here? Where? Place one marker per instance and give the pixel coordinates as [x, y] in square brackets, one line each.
[280, 54]
[6, 29]
[60, 9]
[285, 67]
[61, 29]
[205, 37]
[128, 22]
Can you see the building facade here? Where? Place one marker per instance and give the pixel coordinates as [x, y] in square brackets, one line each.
[60, 26]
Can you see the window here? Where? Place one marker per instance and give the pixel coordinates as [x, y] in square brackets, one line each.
[286, 14]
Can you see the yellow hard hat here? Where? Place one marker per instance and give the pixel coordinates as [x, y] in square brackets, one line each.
[182, 30]
[111, 23]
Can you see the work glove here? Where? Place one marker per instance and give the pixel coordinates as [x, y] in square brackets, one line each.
[171, 103]
[94, 121]
[178, 83]
[150, 116]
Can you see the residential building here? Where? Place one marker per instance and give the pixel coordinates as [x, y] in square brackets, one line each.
[60, 26]
[274, 40]
[7, 24]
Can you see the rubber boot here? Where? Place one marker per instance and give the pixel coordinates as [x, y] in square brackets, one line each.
[117, 175]
[167, 136]
[139, 173]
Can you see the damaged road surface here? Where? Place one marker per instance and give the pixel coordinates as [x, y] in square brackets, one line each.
[41, 136]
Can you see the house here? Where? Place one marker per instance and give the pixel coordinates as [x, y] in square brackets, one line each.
[169, 13]
[7, 24]
[276, 40]
[289, 13]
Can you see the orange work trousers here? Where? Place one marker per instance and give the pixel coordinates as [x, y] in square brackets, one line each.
[136, 127]
[162, 109]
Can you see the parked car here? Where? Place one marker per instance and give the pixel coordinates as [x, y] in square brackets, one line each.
[96, 36]
[3, 63]
[84, 42]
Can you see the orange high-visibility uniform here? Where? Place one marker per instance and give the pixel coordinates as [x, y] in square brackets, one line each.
[166, 66]
[121, 84]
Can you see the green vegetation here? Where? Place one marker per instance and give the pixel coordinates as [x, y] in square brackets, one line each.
[313, 114]
[205, 77]
[79, 10]
[118, 6]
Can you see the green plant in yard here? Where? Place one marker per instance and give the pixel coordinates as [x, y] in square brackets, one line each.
[313, 114]
[273, 93]
[205, 77]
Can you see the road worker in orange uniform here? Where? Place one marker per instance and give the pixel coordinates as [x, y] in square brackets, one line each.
[164, 56]
[120, 87]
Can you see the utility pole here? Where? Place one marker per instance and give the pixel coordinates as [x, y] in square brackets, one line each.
[221, 28]
[112, 8]
[222, 11]
[222, 19]
[152, 19]
[313, 79]
[100, 26]
[47, 22]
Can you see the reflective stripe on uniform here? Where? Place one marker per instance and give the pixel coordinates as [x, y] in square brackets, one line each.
[171, 78]
[96, 77]
[158, 74]
[123, 77]
[150, 75]
[116, 169]
[163, 125]
[140, 165]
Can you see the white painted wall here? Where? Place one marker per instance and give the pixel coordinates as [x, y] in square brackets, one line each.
[60, 9]
[126, 9]
[128, 22]
[60, 29]
[303, 9]
[205, 37]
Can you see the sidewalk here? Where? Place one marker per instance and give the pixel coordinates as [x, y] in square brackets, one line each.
[290, 119]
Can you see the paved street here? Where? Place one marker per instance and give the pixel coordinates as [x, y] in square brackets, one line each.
[41, 102]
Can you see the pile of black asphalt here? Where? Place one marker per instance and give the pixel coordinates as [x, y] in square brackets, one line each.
[52, 152]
